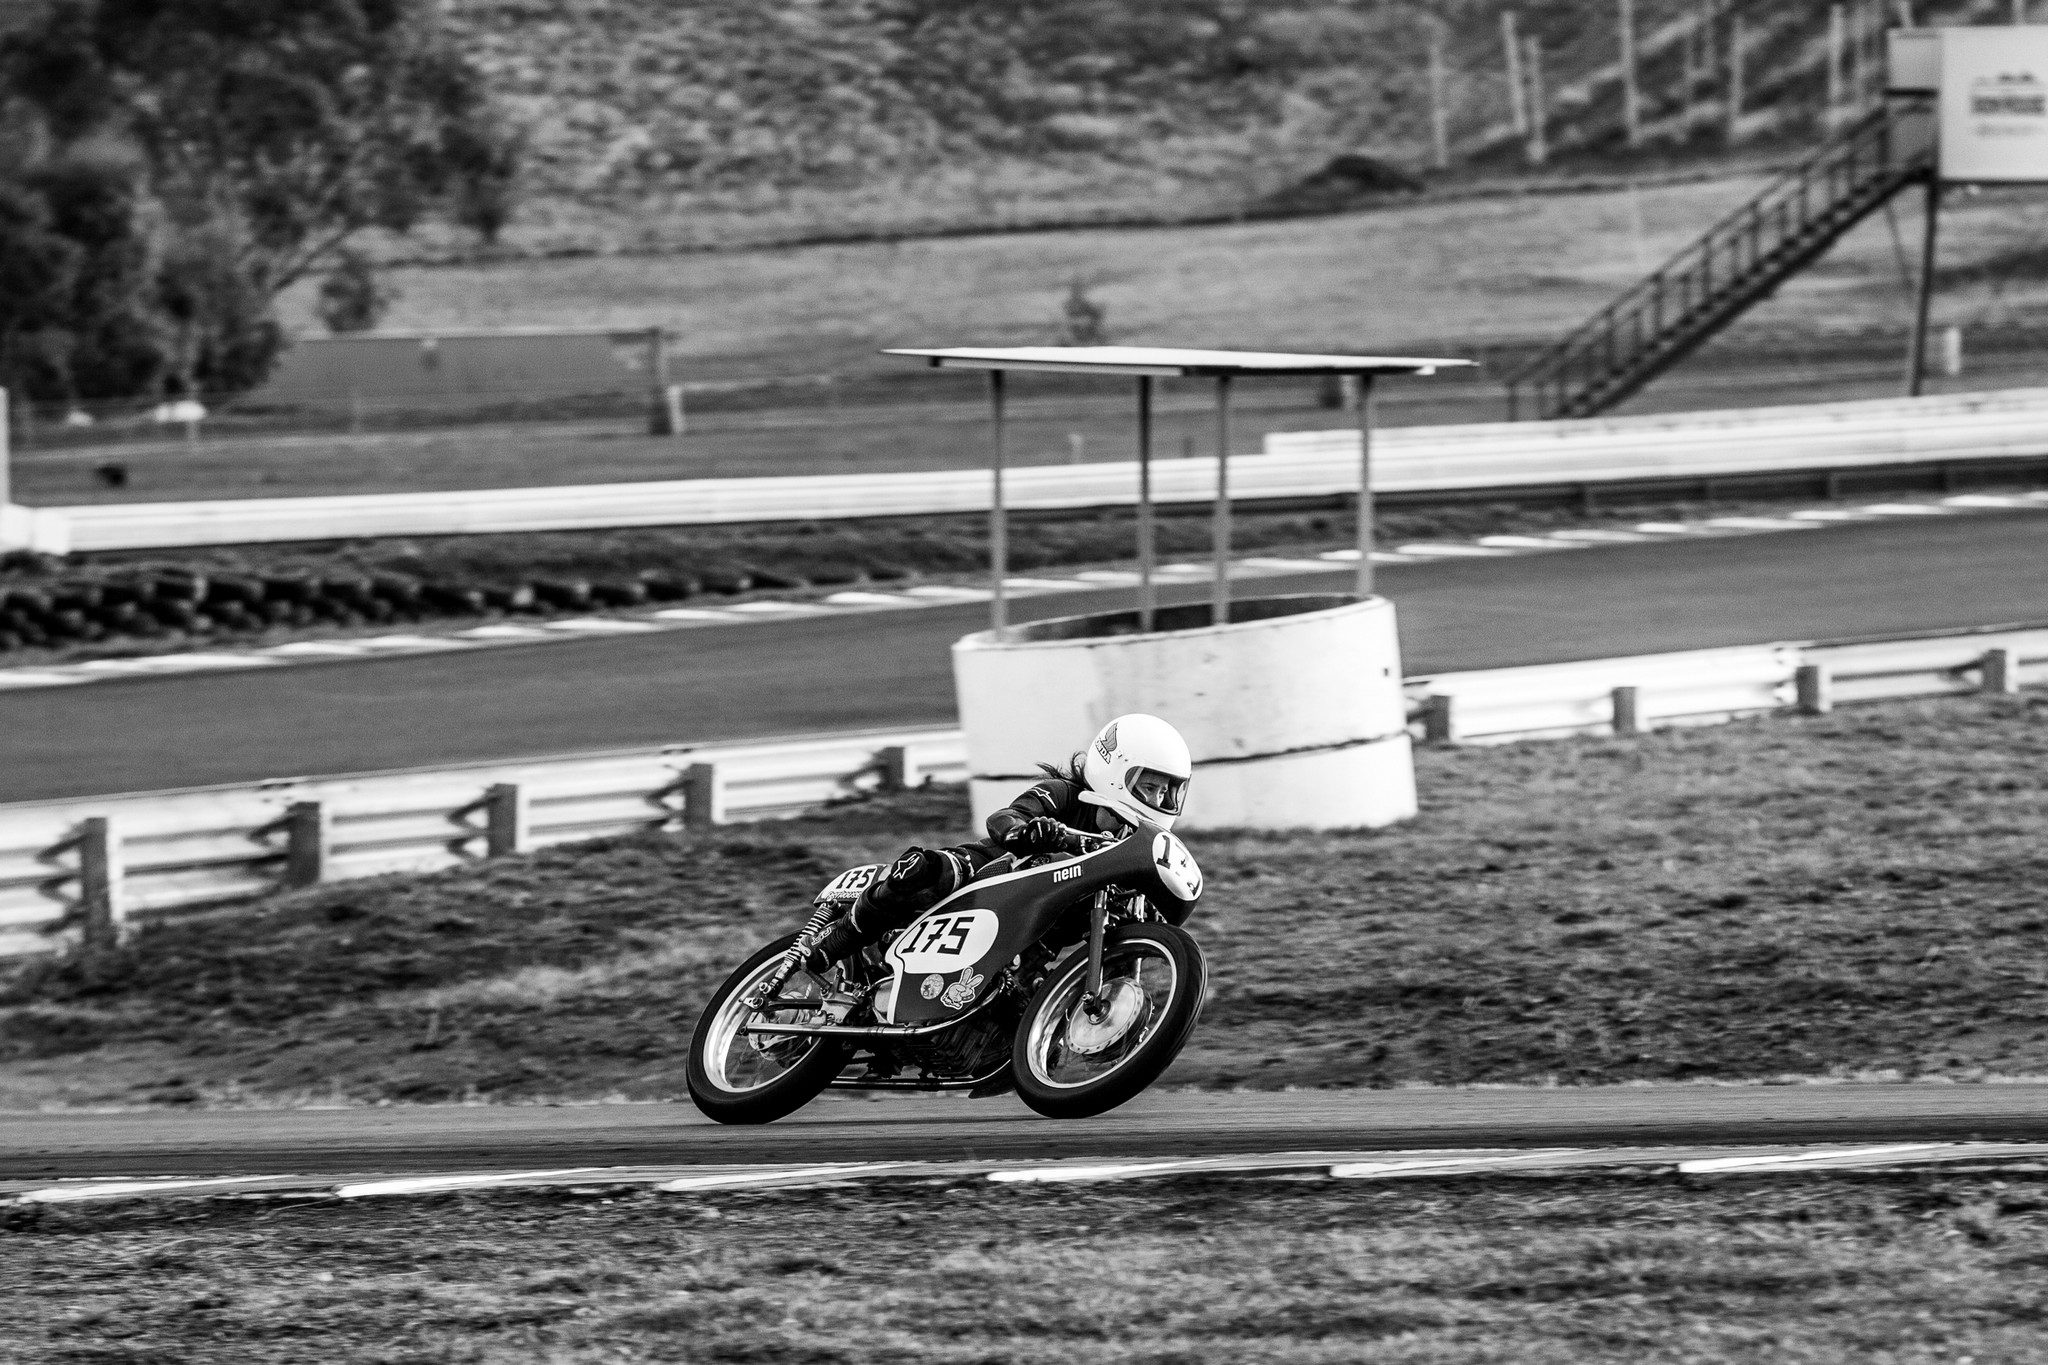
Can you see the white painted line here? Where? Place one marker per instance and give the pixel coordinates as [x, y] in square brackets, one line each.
[1108, 577]
[776, 608]
[1450, 1165]
[315, 649]
[1045, 584]
[435, 1184]
[600, 625]
[1827, 514]
[1434, 551]
[409, 642]
[1275, 564]
[1760, 524]
[1984, 500]
[871, 599]
[115, 1189]
[115, 667]
[1123, 1171]
[1796, 1160]
[1665, 528]
[506, 632]
[1345, 556]
[783, 1175]
[941, 593]
[691, 614]
[1191, 570]
[1526, 543]
[1904, 509]
[182, 662]
[1599, 537]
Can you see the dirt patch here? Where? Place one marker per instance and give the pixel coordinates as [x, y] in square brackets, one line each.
[1614, 1268]
[1846, 895]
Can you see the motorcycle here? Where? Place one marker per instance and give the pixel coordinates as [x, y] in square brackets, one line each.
[1064, 975]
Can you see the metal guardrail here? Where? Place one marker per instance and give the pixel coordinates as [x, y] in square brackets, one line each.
[2009, 424]
[92, 865]
[1708, 686]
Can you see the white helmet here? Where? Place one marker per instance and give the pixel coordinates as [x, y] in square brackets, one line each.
[1137, 753]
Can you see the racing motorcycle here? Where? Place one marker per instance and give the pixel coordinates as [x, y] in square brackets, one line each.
[1065, 976]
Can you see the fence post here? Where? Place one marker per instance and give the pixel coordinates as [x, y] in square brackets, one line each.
[1627, 720]
[1999, 671]
[1539, 140]
[6, 435]
[899, 769]
[703, 796]
[308, 834]
[100, 873]
[1437, 727]
[663, 418]
[505, 819]
[1814, 689]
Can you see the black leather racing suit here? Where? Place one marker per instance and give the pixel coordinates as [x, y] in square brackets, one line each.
[922, 877]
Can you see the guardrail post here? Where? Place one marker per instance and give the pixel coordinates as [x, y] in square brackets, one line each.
[101, 870]
[1998, 671]
[1814, 689]
[703, 796]
[308, 836]
[1437, 727]
[506, 812]
[1626, 719]
[899, 769]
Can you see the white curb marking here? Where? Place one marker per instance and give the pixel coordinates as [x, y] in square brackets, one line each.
[435, 1184]
[1809, 1160]
[115, 1189]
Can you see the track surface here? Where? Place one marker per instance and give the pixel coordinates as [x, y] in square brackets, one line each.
[892, 669]
[304, 1142]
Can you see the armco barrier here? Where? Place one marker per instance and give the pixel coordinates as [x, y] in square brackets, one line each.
[94, 864]
[1981, 427]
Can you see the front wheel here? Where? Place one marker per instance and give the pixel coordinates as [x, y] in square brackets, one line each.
[1072, 1061]
[741, 1077]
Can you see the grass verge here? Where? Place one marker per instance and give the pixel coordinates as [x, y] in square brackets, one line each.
[1849, 895]
[1896, 1267]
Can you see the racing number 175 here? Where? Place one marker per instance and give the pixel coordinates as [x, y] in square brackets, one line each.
[954, 927]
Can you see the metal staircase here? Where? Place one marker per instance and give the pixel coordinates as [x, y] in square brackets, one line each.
[1735, 263]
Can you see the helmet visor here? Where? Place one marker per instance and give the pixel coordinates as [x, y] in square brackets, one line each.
[1156, 789]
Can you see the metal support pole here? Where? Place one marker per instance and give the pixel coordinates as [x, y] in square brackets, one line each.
[1219, 605]
[1539, 143]
[1146, 603]
[1734, 76]
[998, 521]
[1916, 356]
[1365, 485]
[1631, 97]
[1517, 110]
[1439, 110]
[6, 434]
[1838, 32]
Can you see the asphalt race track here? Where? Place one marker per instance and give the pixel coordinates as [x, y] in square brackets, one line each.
[912, 1128]
[891, 669]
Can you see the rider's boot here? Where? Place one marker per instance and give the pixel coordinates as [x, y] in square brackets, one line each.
[918, 879]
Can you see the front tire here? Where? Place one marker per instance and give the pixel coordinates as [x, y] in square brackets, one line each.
[1071, 1065]
[737, 1077]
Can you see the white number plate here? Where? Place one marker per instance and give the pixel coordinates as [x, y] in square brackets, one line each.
[850, 883]
[945, 942]
[1177, 867]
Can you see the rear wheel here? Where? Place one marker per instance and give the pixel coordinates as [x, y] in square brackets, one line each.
[1071, 1061]
[742, 1077]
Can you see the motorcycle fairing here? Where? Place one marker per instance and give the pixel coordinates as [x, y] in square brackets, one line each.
[950, 956]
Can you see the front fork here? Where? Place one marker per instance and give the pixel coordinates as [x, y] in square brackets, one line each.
[793, 957]
[1098, 922]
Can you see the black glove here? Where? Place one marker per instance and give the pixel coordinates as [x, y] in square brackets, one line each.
[1040, 834]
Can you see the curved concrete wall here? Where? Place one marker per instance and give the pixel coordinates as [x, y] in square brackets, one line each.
[1293, 711]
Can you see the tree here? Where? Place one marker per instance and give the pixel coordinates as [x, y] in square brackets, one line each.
[265, 136]
[351, 299]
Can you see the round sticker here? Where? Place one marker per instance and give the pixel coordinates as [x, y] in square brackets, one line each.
[946, 941]
[1176, 867]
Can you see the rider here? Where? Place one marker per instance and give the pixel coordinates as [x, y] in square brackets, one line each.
[1136, 768]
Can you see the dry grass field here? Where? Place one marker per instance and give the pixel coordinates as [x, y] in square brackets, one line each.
[1897, 1268]
[1855, 895]
[1443, 277]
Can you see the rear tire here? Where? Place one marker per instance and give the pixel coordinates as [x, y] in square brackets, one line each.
[734, 1081]
[1069, 1066]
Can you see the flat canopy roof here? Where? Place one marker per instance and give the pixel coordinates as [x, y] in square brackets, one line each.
[1168, 361]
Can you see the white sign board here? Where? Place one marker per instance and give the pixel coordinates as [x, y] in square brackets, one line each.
[1994, 104]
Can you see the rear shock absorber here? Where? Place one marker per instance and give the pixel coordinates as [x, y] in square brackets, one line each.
[792, 957]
